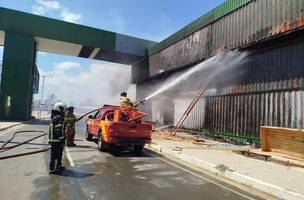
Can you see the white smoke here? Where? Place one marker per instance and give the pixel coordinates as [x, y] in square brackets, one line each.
[196, 75]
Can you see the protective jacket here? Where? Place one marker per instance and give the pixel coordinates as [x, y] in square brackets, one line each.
[57, 126]
[70, 120]
[126, 102]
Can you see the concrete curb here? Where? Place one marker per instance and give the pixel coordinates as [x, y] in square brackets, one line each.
[234, 176]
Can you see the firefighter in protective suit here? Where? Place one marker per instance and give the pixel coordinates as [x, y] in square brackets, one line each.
[70, 120]
[125, 102]
[56, 137]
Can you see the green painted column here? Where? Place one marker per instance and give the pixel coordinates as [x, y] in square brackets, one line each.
[16, 81]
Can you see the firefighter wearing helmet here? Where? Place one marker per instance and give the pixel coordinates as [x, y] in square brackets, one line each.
[125, 102]
[70, 120]
[56, 137]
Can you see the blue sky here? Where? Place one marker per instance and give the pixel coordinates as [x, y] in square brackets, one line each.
[153, 20]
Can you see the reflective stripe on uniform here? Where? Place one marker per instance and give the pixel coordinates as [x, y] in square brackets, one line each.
[51, 131]
[52, 140]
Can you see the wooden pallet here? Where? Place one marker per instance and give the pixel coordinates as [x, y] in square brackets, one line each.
[283, 140]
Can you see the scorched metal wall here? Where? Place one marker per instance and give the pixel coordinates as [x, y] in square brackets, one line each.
[251, 23]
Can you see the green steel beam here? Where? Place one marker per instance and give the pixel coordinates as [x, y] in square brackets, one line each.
[20, 22]
[56, 36]
[225, 8]
[240, 137]
[16, 81]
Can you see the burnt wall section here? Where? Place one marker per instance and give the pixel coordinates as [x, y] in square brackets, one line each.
[267, 89]
[250, 24]
[141, 93]
[140, 71]
[242, 115]
[277, 68]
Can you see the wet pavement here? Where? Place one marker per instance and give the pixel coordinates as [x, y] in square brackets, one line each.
[92, 174]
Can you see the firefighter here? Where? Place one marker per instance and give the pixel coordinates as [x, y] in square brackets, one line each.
[70, 120]
[125, 102]
[56, 137]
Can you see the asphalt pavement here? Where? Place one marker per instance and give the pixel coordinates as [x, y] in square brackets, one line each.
[92, 174]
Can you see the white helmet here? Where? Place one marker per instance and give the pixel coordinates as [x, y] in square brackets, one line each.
[60, 106]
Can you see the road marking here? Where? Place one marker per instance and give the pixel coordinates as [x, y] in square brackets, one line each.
[69, 157]
[207, 179]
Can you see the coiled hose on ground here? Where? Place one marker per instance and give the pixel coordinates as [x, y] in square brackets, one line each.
[6, 148]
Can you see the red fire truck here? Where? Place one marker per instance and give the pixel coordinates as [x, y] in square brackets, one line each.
[115, 126]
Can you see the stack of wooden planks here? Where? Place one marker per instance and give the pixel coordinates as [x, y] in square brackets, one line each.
[282, 140]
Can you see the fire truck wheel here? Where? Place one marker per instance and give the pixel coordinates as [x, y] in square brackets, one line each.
[88, 135]
[138, 149]
[100, 144]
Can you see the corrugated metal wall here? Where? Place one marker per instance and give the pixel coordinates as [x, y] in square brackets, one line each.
[277, 68]
[242, 115]
[256, 21]
[267, 89]
[196, 118]
[223, 9]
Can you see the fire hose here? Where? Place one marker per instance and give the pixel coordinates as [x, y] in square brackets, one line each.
[5, 148]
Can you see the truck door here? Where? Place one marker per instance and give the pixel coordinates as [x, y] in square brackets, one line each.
[93, 127]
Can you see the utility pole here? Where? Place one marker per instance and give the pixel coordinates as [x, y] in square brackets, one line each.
[41, 97]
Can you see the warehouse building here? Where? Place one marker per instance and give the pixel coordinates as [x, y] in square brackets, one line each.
[267, 91]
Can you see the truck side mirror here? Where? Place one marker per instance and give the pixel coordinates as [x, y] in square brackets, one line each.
[90, 117]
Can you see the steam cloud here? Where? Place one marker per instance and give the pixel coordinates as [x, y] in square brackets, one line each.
[194, 77]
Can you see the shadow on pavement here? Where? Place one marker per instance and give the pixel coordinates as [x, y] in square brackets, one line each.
[126, 152]
[85, 146]
[84, 150]
[73, 174]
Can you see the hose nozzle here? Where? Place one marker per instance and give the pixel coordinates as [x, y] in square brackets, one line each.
[139, 102]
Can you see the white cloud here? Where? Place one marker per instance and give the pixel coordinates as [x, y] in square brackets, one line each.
[50, 5]
[66, 66]
[38, 10]
[44, 7]
[102, 83]
[69, 16]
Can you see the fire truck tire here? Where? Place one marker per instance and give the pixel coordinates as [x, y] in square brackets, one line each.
[138, 149]
[88, 135]
[101, 144]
